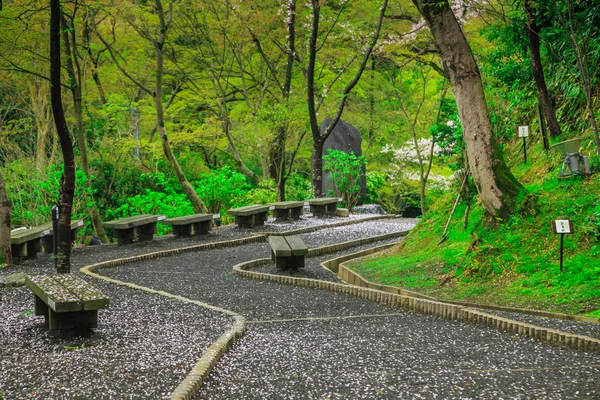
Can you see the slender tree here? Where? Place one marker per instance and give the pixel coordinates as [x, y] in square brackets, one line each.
[495, 183]
[67, 182]
[537, 67]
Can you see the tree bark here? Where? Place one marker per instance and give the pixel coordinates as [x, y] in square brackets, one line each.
[5, 252]
[538, 70]
[67, 182]
[74, 71]
[495, 183]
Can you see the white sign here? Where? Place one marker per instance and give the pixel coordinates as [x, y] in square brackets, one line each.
[271, 208]
[563, 226]
[80, 223]
[217, 216]
[161, 217]
[523, 131]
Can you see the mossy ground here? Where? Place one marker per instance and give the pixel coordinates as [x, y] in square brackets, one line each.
[514, 263]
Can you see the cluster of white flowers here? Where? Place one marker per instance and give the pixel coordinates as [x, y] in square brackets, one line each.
[408, 152]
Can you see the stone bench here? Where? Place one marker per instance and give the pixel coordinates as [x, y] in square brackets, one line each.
[139, 227]
[250, 216]
[68, 303]
[285, 210]
[323, 206]
[48, 240]
[190, 224]
[288, 252]
[26, 243]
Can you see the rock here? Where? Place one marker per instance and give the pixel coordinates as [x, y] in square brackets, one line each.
[14, 280]
[370, 209]
[342, 212]
[346, 138]
[95, 241]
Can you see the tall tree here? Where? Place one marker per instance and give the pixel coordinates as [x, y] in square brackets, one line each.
[5, 253]
[67, 182]
[495, 183]
[533, 34]
[318, 136]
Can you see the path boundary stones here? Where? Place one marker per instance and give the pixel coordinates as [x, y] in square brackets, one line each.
[427, 306]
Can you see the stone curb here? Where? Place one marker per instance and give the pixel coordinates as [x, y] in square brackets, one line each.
[334, 225]
[196, 377]
[427, 306]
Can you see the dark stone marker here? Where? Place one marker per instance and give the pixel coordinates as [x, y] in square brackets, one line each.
[346, 138]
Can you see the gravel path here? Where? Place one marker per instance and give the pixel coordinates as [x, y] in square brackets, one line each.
[409, 356]
[361, 230]
[144, 347]
[581, 328]
[305, 221]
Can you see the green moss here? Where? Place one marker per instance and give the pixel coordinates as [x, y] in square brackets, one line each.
[514, 263]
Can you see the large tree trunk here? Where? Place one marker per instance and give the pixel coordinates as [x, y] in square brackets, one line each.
[5, 253]
[495, 183]
[76, 79]
[538, 70]
[67, 182]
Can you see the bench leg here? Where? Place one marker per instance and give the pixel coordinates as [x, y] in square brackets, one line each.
[244, 222]
[289, 262]
[19, 252]
[202, 227]
[182, 230]
[125, 236]
[78, 320]
[33, 247]
[317, 210]
[259, 219]
[330, 208]
[281, 215]
[40, 308]
[146, 232]
[48, 244]
[295, 213]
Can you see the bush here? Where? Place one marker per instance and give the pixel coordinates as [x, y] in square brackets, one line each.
[222, 190]
[344, 170]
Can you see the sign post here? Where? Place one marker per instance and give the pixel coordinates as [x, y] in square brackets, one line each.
[524, 133]
[562, 227]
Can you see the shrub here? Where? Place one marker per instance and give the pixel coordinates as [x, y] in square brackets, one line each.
[344, 170]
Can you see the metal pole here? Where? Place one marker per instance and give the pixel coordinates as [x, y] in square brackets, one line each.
[525, 150]
[562, 239]
[55, 234]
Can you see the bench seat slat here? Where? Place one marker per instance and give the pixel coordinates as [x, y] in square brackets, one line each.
[25, 235]
[248, 210]
[59, 298]
[284, 205]
[91, 298]
[279, 246]
[323, 201]
[188, 219]
[75, 224]
[131, 222]
[297, 245]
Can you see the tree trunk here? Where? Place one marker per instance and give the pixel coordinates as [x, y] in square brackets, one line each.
[317, 167]
[5, 252]
[67, 182]
[75, 78]
[197, 203]
[538, 70]
[495, 183]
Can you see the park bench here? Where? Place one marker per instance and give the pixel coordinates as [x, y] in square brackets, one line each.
[68, 303]
[288, 252]
[48, 240]
[323, 206]
[190, 224]
[26, 243]
[285, 210]
[139, 227]
[250, 216]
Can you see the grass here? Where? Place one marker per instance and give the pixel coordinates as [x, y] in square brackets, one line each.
[515, 263]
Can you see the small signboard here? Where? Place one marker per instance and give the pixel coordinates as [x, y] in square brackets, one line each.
[45, 233]
[564, 226]
[271, 208]
[523, 131]
[80, 223]
[161, 217]
[216, 216]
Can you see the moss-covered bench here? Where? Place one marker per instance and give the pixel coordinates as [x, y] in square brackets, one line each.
[323, 206]
[139, 227]
[288, 252]
[250, 216]
[285, 210]
[68, 303]
[190, 224]
[26, 243]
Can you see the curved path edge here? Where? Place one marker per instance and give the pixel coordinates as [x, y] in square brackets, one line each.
[424, 305]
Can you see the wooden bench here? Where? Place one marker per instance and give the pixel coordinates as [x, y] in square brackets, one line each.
[250, 216]
[285, 210]
[323, 206]
[288, 252]
[26, 243]
[190, 224]
[48, 240]
[139, 227]
[68, 303]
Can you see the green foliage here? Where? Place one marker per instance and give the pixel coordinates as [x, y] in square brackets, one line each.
[375, 181]
[221, 190]
[265, 193]
[298, 188]
[345, 170]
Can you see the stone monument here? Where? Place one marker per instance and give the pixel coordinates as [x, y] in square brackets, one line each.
[346, 138]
